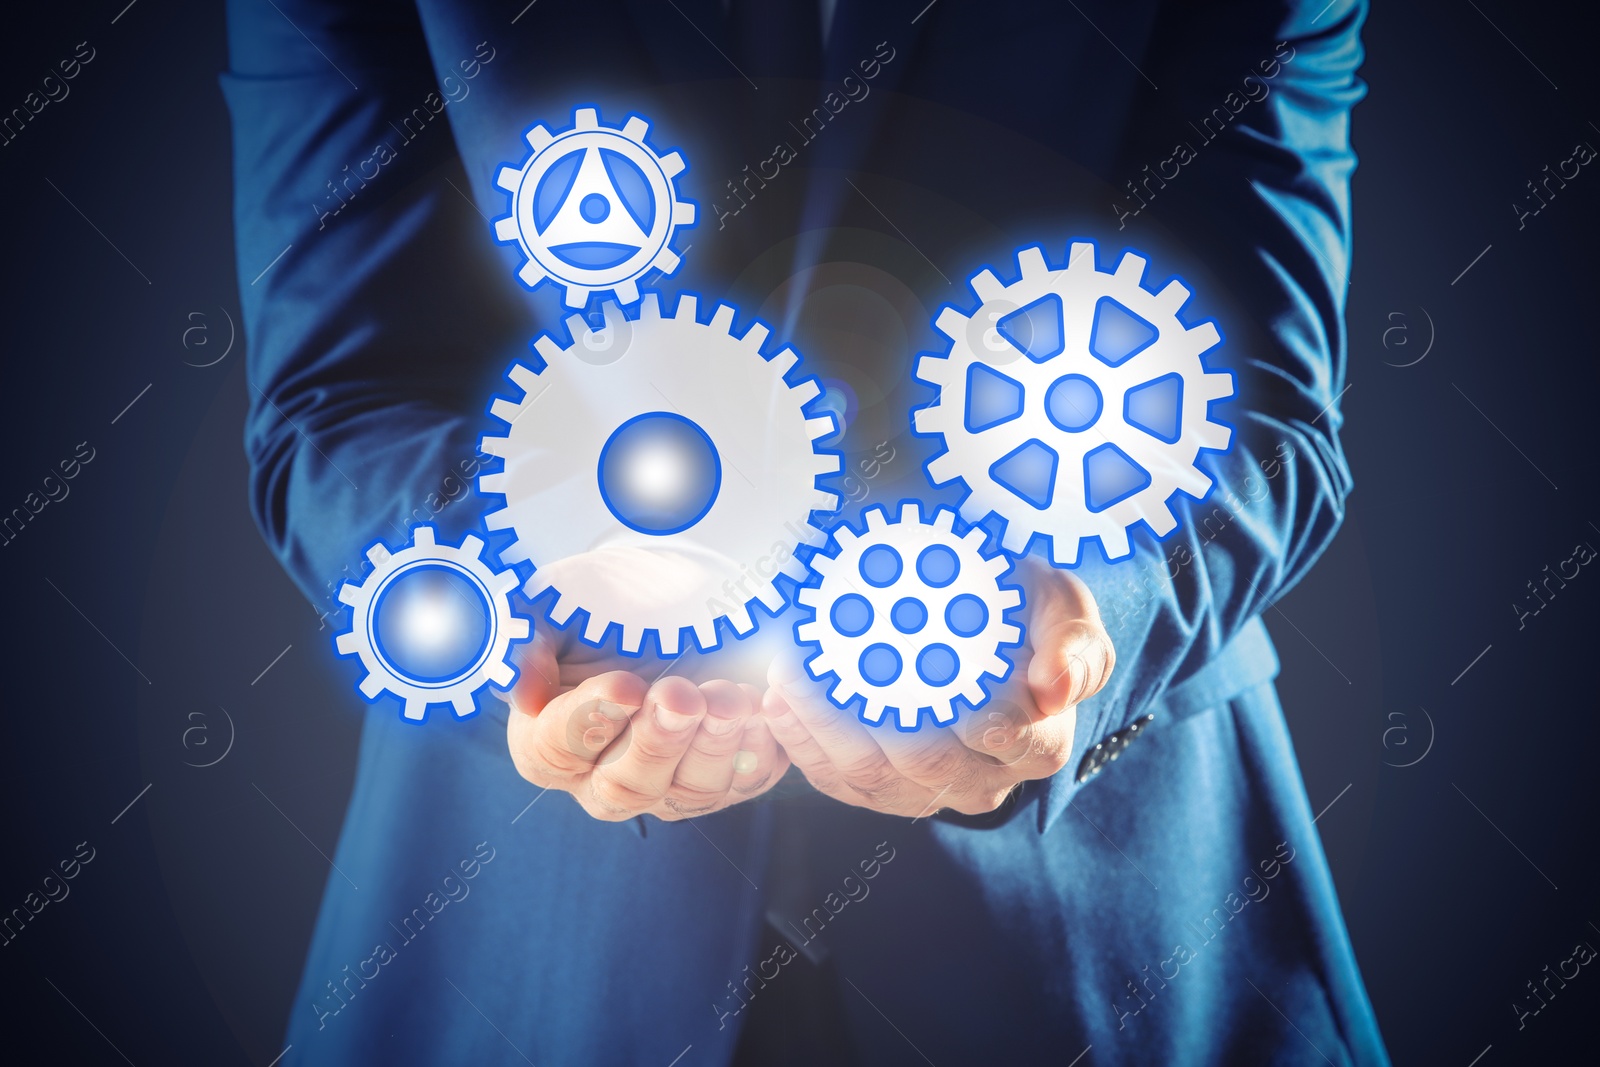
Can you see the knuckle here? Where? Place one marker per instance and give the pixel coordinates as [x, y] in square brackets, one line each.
[615, 796]
[691, 802]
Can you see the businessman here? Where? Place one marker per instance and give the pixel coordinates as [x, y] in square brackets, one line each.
[703, 861]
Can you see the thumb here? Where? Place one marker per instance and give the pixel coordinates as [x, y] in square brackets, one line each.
[1072, 653]
[539, 678]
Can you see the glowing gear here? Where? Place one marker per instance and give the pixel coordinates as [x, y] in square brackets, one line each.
[909, 615]
[1073, 403]
[593, 208]
[664, 485]
[432, 624]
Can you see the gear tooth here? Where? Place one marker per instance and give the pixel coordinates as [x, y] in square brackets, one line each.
[577, 326]
[1010, 634]
[471, 545]
[823, 500]
[522, 375]
[562, 610]
[821, 426]
[508, 178]
[1172, 297]
[824, 565]
[1203, 338]
[1015, 539]
[505, 410]
[1032, 263]
[1081, 256]
[793, 568]
[531, 274]
[951, 323]
[805, 392]
[537, 582]
[672, 164]
[809, 632]
[770, 598]
[586, 118]
[819, 665]
[494, 446]
[348, 644]
[973, 694]
[872, 713]
[506, 230]
[722, 319]
[504, 582]
[349, 594]
[944, 468]
[987, 286]
[1065, 551]
[809, 596]
[934, 369]
[683, 213]
[1217, 385]
[705, 632]
[923, 420]
[945, 520]
[635, 129]
[755, 337]
[516, 626]
[539, 139]
[739, 619]
[943, 713]
[416, 709]
[784, 361]
[549, 349]
[910, 513]
[499, 519]
[632, 638]
[1213, 436]
[1114, 542]
[688, 308]
[669, 638]
[666, 262]
[628, 292]
[371, 686]
[502, 675]
[463, 705]
[1191, 480]
[650, 307]
[1160, 517]
[577, 296]
[877, 518]
[974, 539]
[908, 717]
[594, 630]
[378, 554]
[1130, 269]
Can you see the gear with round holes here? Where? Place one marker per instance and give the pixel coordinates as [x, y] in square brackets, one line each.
[660, 473]
[1074, 403]
[909, 615]
[420, 598]
[593, 208]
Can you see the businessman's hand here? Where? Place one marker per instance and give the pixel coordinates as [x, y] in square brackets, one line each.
[582, 722]
[1025, 732]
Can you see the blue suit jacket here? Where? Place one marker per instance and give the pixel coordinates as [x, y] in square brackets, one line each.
[1181, 911]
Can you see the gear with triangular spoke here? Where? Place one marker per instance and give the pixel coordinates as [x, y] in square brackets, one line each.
[594, 209]
[1074, 404]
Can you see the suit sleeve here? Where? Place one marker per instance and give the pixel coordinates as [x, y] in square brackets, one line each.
[374, 308]
[1266, 201]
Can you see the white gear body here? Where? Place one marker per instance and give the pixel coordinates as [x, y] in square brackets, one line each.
[652, 246]
[978, 653]
[639, 581]
[1066, 521]
[466, 561]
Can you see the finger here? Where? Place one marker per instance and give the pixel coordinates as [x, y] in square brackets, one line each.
[538, 676]
[946, 773]
[803, 751]
[706, 771]
[1072, 653]
[1022, 742]
[848, 744]
[760, 762]
[648, 753]
[564, 738]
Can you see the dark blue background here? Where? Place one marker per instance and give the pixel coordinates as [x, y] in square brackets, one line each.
[182, 939]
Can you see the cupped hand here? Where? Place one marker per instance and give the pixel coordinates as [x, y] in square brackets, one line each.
[1023, 733]
[585, 723]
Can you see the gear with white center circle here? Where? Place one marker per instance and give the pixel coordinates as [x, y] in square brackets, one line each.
[593, 208]
[909, 616]
[734, 404]
[1074, 404]
[491, 664]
